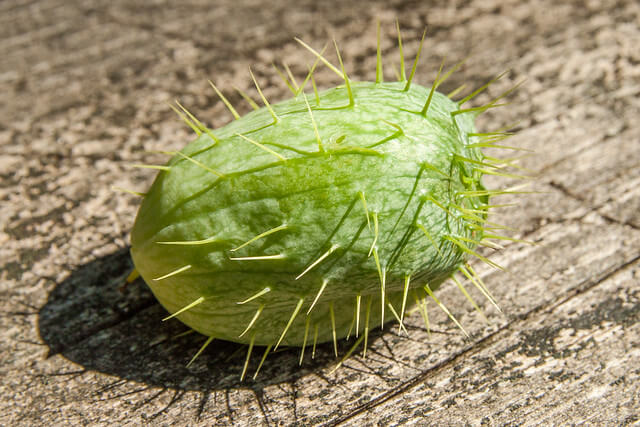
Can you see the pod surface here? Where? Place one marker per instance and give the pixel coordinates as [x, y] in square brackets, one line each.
[312, 216]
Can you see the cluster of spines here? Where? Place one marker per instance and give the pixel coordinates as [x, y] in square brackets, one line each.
[474, 217]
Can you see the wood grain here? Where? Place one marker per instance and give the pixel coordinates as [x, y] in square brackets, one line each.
[85, 87]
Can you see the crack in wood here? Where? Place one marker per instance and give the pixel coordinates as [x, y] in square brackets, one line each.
[519, 324]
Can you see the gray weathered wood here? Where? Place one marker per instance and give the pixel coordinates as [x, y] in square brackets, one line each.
[84, 89]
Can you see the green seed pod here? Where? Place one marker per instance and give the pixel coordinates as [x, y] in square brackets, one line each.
[317, 217]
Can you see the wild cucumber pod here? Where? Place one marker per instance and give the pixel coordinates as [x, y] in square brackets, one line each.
[318, 217]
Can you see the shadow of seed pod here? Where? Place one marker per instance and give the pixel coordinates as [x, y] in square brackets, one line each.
[319, 217]
[91, 321]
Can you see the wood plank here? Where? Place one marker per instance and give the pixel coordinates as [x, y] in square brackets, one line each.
[575, 362]
[85, 86]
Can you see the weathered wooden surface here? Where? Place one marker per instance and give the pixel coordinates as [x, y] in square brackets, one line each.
[83, 96]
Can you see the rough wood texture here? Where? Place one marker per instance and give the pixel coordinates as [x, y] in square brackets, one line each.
[83, 96]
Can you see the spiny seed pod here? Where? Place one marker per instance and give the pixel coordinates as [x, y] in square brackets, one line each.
[318, 217]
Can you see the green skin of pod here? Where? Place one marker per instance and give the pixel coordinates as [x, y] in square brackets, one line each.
[406, 165]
